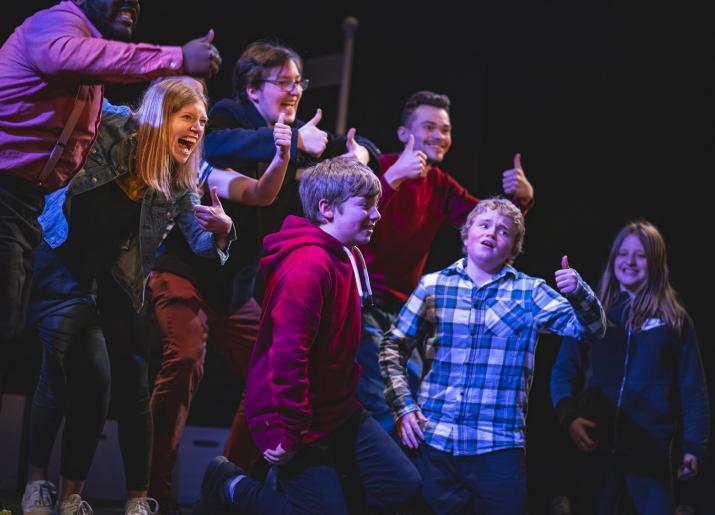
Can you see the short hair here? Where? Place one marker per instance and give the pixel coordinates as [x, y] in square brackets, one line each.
[421, 98]
[336, 180]
[504, 207]
[256, 59]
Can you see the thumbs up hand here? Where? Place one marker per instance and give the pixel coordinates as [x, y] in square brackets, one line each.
[312, 140]
[412, 164]
[282, 136]
[201, 58]
[566, 278]
[355, 149]
[212, 218]
[516, 185]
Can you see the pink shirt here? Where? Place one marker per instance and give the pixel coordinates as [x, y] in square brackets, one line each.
[42, 65]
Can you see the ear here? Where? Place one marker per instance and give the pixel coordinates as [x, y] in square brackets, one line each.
[403, 134]
[326, 209]
[252, 93]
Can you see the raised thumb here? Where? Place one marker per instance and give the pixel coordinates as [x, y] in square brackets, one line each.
[209, 37]
[214, 197]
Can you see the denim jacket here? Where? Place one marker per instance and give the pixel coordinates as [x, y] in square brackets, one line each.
[158, 214]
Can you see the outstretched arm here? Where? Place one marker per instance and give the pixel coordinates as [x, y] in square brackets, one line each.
[577, 313]
[237, 187]
[61, 46]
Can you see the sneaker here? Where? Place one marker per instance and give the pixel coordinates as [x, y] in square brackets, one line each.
[168, 506]
[141, 506]
[74, 505]
[212, 497]
[39, 498]
[560, 505]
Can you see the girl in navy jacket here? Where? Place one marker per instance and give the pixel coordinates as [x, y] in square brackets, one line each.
[625, 398]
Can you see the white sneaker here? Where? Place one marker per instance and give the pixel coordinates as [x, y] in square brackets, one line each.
[141, 506]
[560, 505]
[74, 505]
[39, 498]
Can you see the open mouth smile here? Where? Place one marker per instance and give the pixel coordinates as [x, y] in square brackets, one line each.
[187, 144]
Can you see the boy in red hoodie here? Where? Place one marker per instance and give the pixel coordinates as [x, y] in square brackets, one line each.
[300, 397]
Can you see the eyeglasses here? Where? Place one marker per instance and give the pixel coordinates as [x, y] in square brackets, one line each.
[288, 85]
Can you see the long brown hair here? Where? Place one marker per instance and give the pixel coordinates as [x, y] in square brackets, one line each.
[657, 298]
[152, 162]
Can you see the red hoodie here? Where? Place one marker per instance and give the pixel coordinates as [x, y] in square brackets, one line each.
[303, 374]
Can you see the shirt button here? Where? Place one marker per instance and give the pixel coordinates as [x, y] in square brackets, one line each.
[93, 150]
[172, 65]
[93, 180]
[169, 215]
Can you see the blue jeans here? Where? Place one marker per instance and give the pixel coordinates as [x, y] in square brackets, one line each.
[358, 466]
[490, 484]
[647, 485]
[376, 322]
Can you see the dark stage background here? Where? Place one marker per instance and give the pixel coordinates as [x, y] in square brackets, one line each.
[610, 105]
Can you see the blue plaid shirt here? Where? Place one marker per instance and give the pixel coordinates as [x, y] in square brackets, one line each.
[478, 348]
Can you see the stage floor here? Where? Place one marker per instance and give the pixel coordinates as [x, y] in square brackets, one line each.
[12, 500]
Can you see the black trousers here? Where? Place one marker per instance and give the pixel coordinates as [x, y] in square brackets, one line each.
[82, 342]
[21, 203]
[74, 382]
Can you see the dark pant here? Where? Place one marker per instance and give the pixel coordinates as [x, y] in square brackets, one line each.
[126, 334]
[186, 322]
[20, 204]
[76, 376]
[358, 466]
[74, 381]
[488, 484]
[376, 322]
[608, 479]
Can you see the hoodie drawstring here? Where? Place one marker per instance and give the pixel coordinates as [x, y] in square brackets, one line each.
[365, 296]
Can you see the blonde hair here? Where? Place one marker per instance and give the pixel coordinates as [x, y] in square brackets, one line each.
[504, 207]
[151, 161]
[657, 297]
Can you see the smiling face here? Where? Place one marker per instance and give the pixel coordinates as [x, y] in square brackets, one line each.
[431, 128]
[270, 99]
[352, 222]
[490, 241]
[115, 19]
[186, 130]
[630, 265]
